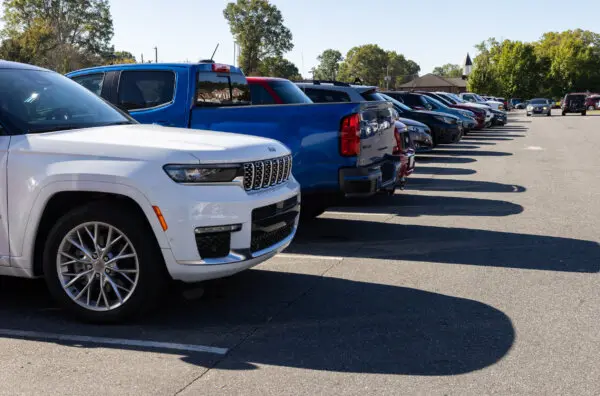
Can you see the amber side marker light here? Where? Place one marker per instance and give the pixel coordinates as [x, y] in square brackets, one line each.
[161, 218]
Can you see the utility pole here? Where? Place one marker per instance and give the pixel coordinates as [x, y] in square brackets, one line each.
[234, 48]
[155, 55]
[142, 58]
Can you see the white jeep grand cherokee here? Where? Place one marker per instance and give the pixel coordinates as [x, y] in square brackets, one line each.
[107, 210]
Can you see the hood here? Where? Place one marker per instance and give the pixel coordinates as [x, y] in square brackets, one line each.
[436, 113]
[495, 102]
[157, 143]
[409, 122]
[478, 105]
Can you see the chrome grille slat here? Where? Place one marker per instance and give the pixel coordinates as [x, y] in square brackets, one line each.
[266, 173]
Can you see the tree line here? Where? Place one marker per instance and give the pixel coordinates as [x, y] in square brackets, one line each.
[61, 35]
[558, 63]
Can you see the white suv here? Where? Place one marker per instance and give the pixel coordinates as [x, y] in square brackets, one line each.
[107, 210]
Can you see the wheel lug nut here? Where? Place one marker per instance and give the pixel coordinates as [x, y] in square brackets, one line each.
[94, 256]
[105, 259]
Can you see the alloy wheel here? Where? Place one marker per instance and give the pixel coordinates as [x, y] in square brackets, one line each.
[97, 265]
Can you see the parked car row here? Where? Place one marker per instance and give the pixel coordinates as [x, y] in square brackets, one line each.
[571, 103]
[108, 210]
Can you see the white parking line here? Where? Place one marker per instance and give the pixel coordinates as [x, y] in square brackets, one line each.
[308, 256]
[35, 335]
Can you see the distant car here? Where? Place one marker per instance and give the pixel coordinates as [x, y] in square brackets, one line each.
[522, 105]
[574, 103]
[539, 106]
[272, 90]
[592, 102]
[513, 102]
[474, 98]
[420, 134]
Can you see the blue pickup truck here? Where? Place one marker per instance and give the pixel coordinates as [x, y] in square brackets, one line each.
[339, 149]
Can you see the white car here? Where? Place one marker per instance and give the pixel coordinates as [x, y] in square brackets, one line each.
[474, 98]
[108, 210]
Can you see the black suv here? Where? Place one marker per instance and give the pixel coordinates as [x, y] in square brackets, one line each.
[574, 103]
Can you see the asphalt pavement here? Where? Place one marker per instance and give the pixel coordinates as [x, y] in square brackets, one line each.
[481, 277]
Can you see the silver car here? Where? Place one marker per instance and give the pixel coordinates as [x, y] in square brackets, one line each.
[539, 106]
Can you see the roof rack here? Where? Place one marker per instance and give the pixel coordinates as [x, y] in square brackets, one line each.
[319, 82]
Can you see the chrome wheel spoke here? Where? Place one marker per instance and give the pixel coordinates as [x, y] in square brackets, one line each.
[95, 280]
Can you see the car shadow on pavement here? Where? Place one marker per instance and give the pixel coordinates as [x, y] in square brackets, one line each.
[429, 184]
[483, 138]
[310, 322]
[455, 146]
[481, 153]
[446, 245]
[409, 205]
[439, 170]
[448, 160]
[493, 135]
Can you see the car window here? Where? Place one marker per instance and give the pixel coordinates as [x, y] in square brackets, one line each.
[215, 89]
[326, 96]
[470, 98]
[145, 89]
[33, 101]
[93, 82]
[259, 95]
[448, 98]
[289, 92]
[412, 100]
[401, 107]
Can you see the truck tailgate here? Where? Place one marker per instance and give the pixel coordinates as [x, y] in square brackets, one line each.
[377, 139]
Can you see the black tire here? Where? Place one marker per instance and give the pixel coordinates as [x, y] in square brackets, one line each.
[153, 278]
[549, 113]
[564, 113]
[591, 108]
[583, 113]
[528, 115]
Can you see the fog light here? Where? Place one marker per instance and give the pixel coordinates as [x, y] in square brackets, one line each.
[216, 229]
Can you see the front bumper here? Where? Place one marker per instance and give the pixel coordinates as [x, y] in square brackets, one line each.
[448, 133]
[368, 180]
[265, 221]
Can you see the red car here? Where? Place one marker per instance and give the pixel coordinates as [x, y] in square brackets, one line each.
[592, 102]
[273, 90]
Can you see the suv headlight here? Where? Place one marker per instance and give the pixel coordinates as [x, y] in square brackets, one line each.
[203, 173]
[530, 107]
[447, 120]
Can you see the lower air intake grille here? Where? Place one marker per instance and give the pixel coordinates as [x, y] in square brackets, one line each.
[213, 245]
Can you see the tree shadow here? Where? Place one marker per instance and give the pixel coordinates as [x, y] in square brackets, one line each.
[438, 170]
[446, 245]
[481, 153]
[448, 160]
[410, 205]
[310, 322]
[428, 184]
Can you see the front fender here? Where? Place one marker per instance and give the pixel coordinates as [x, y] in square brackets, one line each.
[22, 234]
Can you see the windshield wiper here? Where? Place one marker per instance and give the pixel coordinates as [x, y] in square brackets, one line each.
[55, 128]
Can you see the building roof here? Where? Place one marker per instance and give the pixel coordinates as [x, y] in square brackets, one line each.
[434, 81]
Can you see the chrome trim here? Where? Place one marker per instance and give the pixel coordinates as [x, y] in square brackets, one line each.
[272, 172]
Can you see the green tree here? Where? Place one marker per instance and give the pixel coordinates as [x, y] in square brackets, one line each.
[367, 62]
[277, 66]
[483, 77]
[448, 70]
[58, 34]
[258, 28]
[329, 65]
[120, 58]
[400, 69]
[517, 69]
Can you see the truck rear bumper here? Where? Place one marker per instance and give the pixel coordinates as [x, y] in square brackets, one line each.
[366, 181]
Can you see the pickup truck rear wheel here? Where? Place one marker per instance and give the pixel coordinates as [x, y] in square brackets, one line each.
[102, 263]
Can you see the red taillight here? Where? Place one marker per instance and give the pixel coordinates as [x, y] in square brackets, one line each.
[399, 143]
[350, 136]
[220, 68]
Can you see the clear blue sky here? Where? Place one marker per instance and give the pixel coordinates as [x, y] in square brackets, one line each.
[430, 32]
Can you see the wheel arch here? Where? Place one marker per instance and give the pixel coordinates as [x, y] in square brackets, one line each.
[59, 197]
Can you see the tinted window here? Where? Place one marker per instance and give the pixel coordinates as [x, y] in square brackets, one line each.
[289, 92]
[401, 107]
[93, 82]
[538, 101]
[326, 96]
[413, 100]
[145, 89]
[371, 96]
[36, 101]
[259, 95]
[448, 99]
[222, 90]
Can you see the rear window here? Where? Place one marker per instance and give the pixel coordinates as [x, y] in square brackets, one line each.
[371, 96]
[289, 92]
[215, 89]
[145, 89]
[260, 96]
[326, 96]
[575, 97]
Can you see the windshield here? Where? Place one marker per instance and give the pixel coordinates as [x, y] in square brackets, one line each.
[289, 92]
[479, 98]
[538, 101]
[399, 105]
[435, 101]
[40, 101]
[457, 98]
